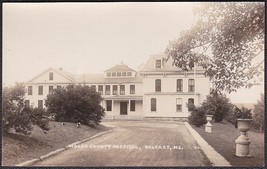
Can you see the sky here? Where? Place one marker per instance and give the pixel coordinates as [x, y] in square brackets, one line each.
[91, 37]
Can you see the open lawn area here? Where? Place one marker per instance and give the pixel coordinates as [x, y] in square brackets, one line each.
[222, 139]
[17, 148]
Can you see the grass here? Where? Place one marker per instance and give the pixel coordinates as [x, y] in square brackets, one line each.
[222, 139]
[17, 148]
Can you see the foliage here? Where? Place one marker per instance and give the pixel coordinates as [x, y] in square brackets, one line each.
[197, 116]
[226, 41]
[242, 113]
[218, 105]
[16, 116]
[258, 116]
[75, 104]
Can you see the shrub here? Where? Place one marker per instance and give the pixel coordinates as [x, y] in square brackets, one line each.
[197, 116]
[218, 105]
[15, 116]
[76, 104]
[258, 116]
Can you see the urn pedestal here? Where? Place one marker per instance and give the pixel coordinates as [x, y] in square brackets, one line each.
[243, 142]
[208, 124]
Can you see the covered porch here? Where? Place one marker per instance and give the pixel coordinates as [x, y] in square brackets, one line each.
[123, 107]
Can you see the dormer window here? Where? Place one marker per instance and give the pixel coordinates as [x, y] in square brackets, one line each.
[123, 73]
[113, 74]
[119, 74]
[158, 63]
[129, 73]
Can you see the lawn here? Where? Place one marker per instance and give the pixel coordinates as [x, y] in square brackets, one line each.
[222, 139]
[17, 148]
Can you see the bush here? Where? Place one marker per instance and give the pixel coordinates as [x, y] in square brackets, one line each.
[197, 116]
[15, 116]
[258, 116]
[76, 104]
[217, 103]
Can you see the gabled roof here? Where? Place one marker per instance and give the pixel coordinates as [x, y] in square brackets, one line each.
[149, 66]
[120, 68]
[63, 73]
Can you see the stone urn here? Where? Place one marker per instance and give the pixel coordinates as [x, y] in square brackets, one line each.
[243, 142]
[208, 124]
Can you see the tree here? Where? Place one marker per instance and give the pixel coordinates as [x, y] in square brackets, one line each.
[226, 41]
[258, 116]
[75, 104]
[16, 116]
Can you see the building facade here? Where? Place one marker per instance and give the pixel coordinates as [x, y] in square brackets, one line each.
[157, 90]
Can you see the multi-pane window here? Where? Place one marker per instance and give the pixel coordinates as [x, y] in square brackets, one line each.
[29, 90]
[40, 90]
[122, 89]
[100, 89]
[109, 105]
[153, 104]
[132, 89]
[113, 74]
[179, 85]
[40, 104]
[158, 63]
[93, 87]
[132, 105]
[50, 89]
[190, 101]
[191, 85]
[108, 74]
[178, 105]
[123, 73]
[129, 73]
[51, 77]
[27, 103]
[119, 74]
[58, 86]
[107, 89]
[157, 85]
[114, 89]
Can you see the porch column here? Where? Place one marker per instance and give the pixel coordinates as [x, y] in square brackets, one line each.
[129, 117]
[112, 108]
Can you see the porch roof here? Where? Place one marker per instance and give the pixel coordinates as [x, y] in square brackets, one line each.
[124, 98]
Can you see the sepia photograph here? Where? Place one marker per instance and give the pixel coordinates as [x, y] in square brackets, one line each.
[133, 84]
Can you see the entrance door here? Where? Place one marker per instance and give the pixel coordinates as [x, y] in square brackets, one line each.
[123, 108]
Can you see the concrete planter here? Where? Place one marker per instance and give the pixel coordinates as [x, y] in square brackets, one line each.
[243, 142]
[208, 124]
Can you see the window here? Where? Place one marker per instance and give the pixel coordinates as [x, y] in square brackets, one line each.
[123, 73]
[157, 85]
[153, 104]
[122, 89]
[100, 89]
[114, 89]
[27, 103]
[132, 107]
[113, 74]
[50, 89]
[29, 90]
[191, 85]
[178, 105]
[119, 74]
[108, 74]
[40, 90]
[58, 86]
[132, 89]
[179, 85]
[158, 63]
[109, 105]
[190, 101]
[93, 87]
[129, 73]
[40, 104]
[51, 76]
[107, 89]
